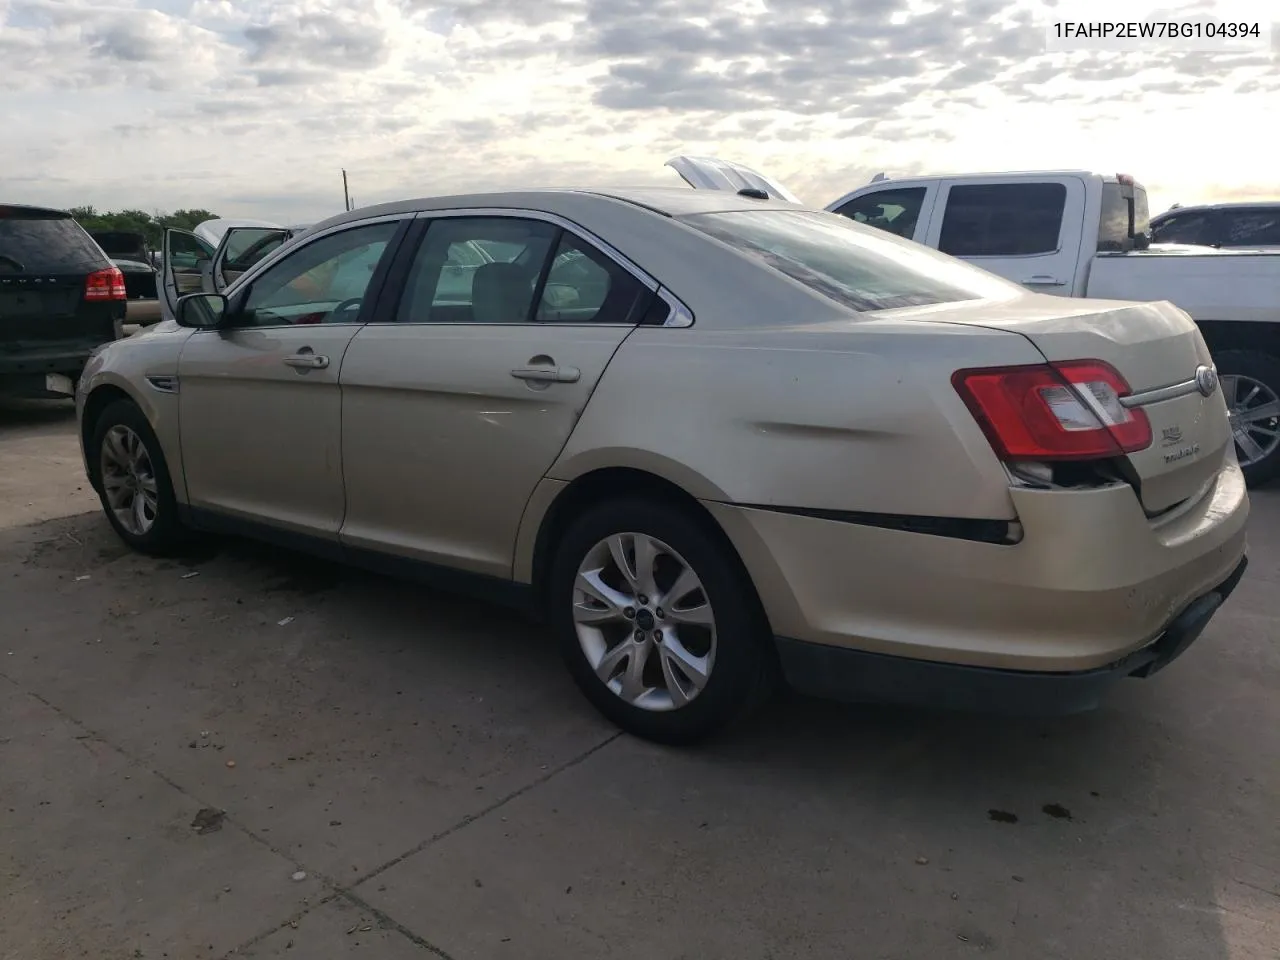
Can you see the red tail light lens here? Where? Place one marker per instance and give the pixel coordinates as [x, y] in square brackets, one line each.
[105, 285]
[1054, 411]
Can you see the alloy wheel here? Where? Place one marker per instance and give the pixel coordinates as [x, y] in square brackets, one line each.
[644, 622]
[129, 480]
[1254, 411]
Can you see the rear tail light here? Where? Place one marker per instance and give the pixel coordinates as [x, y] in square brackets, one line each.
[1054, 411]
[105, 285]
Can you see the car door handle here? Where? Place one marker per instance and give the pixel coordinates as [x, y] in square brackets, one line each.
[1043, 280]
[307, 361]
[548, 374]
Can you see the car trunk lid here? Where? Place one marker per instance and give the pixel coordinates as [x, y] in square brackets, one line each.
[712, 173]
[1161, 355]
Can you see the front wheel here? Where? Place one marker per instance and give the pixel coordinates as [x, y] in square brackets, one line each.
[133, 481]
[1251, 388]
[657, 621]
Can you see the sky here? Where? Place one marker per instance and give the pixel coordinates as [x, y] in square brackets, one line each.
[253, 107]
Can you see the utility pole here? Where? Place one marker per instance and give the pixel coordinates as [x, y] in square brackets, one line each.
[346, 197]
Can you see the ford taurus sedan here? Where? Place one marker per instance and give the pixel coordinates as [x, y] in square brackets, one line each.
[717, 441]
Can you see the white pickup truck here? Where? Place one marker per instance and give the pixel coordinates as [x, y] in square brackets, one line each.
[1078, 234]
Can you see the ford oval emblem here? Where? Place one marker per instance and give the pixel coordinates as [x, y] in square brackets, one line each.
[1206, 380]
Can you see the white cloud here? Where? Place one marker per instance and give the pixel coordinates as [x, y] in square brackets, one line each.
[252, 107]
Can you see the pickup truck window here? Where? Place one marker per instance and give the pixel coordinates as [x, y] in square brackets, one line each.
[861, 269]
[896, 210]
[1003, 219]
[1125, 217]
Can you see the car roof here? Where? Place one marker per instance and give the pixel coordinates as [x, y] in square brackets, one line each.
[665, 201]
[1229, 205]
[21, 209]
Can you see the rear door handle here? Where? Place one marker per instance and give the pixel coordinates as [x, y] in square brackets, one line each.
[307, 361]
[548, 374]
[1043, 280]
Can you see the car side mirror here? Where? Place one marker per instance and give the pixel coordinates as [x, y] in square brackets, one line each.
[201, 311]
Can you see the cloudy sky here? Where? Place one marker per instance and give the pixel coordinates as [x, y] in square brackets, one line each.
[251, 107]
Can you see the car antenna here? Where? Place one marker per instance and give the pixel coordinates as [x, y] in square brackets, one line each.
[754, 193]
[878, 177]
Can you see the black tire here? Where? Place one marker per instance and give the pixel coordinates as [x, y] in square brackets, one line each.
[742, 675]
[167, 535]
[1265, 369]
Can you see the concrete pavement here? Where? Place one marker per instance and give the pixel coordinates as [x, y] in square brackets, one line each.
[175, 749]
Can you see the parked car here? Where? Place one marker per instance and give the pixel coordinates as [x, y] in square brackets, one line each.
[129, 252]
[744, 437]
[1249, 226]
[60, 297]
[1078, 234]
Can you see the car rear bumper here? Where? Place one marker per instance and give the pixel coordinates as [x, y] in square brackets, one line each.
[1091, 581]
[27, 373]
[842, 673]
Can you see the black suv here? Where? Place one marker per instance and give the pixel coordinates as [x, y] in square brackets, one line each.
[60, 297]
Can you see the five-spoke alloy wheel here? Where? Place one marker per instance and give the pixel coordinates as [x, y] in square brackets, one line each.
[657, 620]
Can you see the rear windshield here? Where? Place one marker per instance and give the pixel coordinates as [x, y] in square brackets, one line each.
[1125, 216]
[123, 245]
[44, 245]
[861, 267]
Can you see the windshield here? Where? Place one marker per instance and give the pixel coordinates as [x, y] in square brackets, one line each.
[45, 244]
[860, 267]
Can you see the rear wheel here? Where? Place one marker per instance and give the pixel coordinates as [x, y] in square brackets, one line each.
[1251, 388]
[133, 481]
[657, 621]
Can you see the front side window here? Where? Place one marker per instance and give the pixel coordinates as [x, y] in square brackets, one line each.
[186, 250]
[896, 210]
[322, 282]
[1187, 227]
[245, 246]
[504, 270]
[1003, 219]
[862, 269]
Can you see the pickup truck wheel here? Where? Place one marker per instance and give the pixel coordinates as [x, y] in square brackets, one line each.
[1251, 389]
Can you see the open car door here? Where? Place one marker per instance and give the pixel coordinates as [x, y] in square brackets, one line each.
[239, 249]
[183, 260]
[712, 173]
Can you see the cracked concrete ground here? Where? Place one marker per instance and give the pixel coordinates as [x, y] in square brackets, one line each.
[427, 770]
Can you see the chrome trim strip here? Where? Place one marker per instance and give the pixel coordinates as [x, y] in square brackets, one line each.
[1170, 392]
[681, 316]
[524, 214]
[303, 240]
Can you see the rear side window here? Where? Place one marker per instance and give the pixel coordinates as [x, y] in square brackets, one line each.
[863, 269]
[45, 245]
[896, 210]
[1252, 228]
[1003, 219]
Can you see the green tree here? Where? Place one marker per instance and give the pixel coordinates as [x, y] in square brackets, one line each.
[151, 226]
